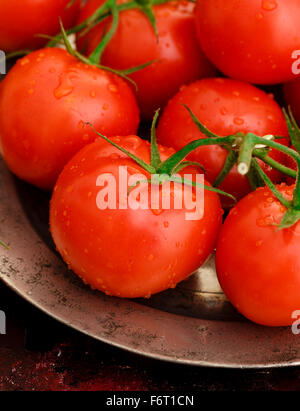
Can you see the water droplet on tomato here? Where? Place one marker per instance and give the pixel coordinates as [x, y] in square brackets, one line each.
[157, 211]
[259, 16]
[269, 5]
[238, 121]
[113, 88]
[63, 90]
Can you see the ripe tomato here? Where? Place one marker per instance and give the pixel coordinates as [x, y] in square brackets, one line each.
[180, 59]
[292, 97]
[45, 101]
[225, 107]
[20, 21]
[250, 40]
[127, 252]
[258, 266]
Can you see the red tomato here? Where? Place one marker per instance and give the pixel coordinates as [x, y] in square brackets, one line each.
[250, 40]
[127, 252]
[225, 107]
[258, 266]
[180, 59]
[20, 21]
[292, 97]
[45, 101]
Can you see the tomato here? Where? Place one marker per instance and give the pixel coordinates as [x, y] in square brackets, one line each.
[292, 97]
[225, 107]
[179, 57]
[250, 40]
[127, 252]
[45, 101]
[21, 21]
[258, 266]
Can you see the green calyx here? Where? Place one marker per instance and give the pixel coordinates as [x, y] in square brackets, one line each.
[86, 60]
[110, 8]
[250, 141]
[244, 151]
[164, 170]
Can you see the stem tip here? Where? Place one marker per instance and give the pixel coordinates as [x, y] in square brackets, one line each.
[243, 168]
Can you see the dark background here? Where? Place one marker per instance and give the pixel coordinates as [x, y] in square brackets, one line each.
[38, 353]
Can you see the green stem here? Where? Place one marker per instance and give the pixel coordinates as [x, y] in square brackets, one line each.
[229, 163]
[95, 56]
[176, 158]
[274, 164]
[271, 185]
[250, 141]
[4, 245]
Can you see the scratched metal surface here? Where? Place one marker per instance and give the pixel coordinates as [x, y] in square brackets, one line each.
[192, 324]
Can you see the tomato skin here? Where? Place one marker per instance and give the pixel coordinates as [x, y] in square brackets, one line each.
[258, 266]
[250, 40]
[45, 101]
[21, 21]
[180, 59]
[225, 107]
[126, 253]
[291, 92]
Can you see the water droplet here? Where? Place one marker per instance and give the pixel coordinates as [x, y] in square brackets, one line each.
[269, 5]
[166, 224]
[25, 61]
[93, 94]
[63, 90]
[150, 257]
[238, 121]
[259, 16]
[236, 93]
[113, 88]
[258, 243]
[105, 106]
[223, 111]
[157, 212]
[31, 91]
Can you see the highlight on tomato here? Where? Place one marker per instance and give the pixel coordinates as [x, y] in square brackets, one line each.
[22, 21]
[225, 107]
[160, 32]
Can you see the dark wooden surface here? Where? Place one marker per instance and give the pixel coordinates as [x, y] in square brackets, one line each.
[38, 353]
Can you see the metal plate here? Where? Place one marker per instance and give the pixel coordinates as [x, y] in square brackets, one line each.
[192, 324]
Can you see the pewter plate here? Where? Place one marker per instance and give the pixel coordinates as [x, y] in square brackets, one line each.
[192, 324]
